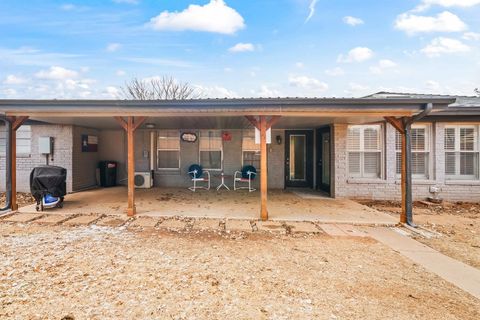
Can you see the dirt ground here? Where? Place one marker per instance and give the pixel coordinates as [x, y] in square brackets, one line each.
[51, 272]
[23, 199]
[457, 223]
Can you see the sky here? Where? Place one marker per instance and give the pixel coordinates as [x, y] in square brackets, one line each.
[238, 48]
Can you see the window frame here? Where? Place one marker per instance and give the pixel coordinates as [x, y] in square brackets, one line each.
[158, 149]
[200, 149]
[244, 149]
[457, 151]
[20, 130]
[428, 151]
[362, 151]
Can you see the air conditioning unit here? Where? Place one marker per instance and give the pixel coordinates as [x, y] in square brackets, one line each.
[143, 180]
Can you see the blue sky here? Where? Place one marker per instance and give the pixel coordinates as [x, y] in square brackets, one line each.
[235, 48]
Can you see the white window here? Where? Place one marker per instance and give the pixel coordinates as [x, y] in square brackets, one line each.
[210, 150]
[168, 150]
[420, 142]
[24, 140]
[461, 152]
[364, 146]
[250, 150]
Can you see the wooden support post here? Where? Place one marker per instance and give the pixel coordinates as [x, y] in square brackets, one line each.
[263, 168]
[16, 122]
[403, 126]
[131, 167]
[130, 126]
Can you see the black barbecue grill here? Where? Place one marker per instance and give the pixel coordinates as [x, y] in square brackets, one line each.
[48, 185]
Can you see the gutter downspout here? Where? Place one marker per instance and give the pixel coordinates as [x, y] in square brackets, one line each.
[407, 125]
[8, 165]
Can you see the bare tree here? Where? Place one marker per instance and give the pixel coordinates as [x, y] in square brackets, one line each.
[477, 91]
[164, 88]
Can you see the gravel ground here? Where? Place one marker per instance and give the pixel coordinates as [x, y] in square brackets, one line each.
[104, 273]
[457, 223]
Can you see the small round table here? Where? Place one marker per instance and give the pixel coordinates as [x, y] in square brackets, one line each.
[222, 177]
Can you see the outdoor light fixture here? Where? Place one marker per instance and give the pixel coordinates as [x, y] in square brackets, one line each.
[279, 139]
[150, 125]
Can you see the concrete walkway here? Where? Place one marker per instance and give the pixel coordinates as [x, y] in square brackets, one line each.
[458, 273]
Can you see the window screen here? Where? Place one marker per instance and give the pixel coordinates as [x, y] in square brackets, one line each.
[461, 152]
[168, 149]
[420, 141]
[211, 151]
[364, 145]
[24, 140]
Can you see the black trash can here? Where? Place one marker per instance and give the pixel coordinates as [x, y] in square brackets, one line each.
[108, 173]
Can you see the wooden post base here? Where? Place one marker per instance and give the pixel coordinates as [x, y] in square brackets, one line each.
[131, 211]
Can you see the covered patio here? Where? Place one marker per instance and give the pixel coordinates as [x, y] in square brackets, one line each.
[285, 205]
[223, 114]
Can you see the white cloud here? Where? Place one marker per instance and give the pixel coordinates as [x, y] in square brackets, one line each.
[443, 45]
[308, 83]
[120, 73]
[352, 21]
[357, 89]
[112, 47]
[227, 69]
[471, 36]
[382, 65]
[335, 72]
[214, 16]
[215, 92]
[447, 3]
[299, 65]
[267, 92]
[9, 92]
[311, 7]
[358, 54]
[242, 47]
[56, 73]
[443, 22]
[13, 79]
[112, 92]
[68, 7]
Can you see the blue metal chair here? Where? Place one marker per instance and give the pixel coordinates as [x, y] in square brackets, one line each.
[197, 174]
[247, 175]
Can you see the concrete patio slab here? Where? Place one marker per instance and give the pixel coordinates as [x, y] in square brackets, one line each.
[112, 221]
[53, 219]
[283, 205]
[207, 224]
[302, 227]
[23, 217]
[173, 224]
[238, 225]
[333, 230]
[271, 226]
[144, 222]
[83, 220]
[458, 273]
[351, 231]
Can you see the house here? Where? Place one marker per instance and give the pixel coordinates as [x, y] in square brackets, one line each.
[345, 147]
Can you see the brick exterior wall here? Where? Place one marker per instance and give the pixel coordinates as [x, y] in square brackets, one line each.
[62, 155]
[388, 187]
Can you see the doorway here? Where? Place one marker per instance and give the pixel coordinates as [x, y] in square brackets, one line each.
[323, 137]
[299, 158]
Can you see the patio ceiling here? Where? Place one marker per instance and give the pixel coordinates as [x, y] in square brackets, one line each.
[109, 123]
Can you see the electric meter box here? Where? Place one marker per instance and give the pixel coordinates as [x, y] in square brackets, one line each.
[45, 145]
